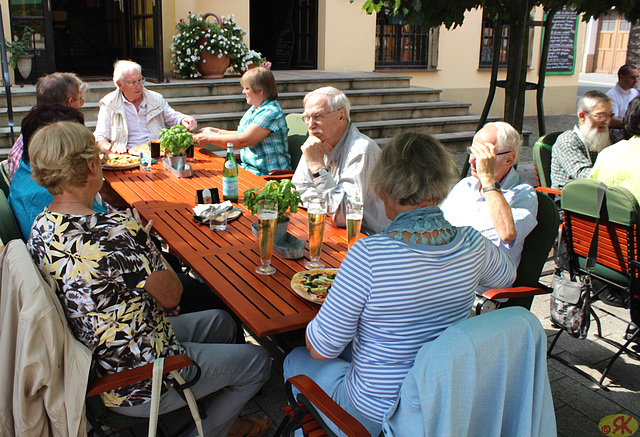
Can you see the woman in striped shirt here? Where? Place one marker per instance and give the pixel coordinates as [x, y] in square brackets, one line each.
[400, 289]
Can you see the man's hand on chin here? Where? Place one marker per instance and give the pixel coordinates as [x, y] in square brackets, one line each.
[313, 150]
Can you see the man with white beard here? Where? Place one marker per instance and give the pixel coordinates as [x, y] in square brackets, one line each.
[575, 151]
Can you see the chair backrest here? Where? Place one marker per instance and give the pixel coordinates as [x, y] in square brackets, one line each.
[4, 177]
[49, 368]
[485, 376]
[542, 158]
[618, 229]
[537, 246]
[9, 229]
[298, 133]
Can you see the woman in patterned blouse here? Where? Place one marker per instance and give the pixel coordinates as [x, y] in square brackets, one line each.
[116, 289]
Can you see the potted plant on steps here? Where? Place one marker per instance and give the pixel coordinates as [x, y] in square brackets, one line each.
[175, 141]
[199, 42]
[20, 58]
[288, 198]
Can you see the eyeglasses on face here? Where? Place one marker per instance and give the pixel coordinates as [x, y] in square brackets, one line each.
[316, 117]
[140, 81]
[601, 116]
[470, 152]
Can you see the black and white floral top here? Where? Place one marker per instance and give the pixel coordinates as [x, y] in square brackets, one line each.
[100, 263]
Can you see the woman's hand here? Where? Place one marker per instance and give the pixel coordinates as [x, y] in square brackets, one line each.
[136, 216]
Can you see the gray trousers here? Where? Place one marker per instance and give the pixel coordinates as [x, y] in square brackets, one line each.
[235, 371]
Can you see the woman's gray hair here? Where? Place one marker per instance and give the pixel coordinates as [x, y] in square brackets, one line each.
[507, 138]
[122, 67]
[413, 168]
[335, 98]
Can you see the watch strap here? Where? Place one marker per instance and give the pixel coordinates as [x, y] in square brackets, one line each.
[320, 172]
[493, 187]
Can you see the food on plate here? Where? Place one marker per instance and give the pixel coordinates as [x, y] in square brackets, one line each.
[136, 150]
[117, 160]
[313, 285]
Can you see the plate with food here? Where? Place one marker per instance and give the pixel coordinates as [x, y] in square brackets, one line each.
[313, 285]
[118, 161]
[202, 215]
[136, 150]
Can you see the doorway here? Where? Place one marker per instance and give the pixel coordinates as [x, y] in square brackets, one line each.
[285, 32]
[613, 38]
[87, 36]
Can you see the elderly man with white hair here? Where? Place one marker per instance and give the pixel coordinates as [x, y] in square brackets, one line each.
[337, 160]
[133, 115]
[495, 200]
[575, 151]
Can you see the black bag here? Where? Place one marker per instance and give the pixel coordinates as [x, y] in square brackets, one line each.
[570, 303]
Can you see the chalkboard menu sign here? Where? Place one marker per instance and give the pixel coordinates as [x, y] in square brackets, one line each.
[562, 44]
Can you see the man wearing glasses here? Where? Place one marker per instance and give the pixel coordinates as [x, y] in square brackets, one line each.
[133, 115]
[495, 200]
[621, 94]
[575, 151]
[337, 159]
[61, 88]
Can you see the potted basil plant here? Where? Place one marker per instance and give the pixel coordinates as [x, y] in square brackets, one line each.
[175, 141]
[287, 197]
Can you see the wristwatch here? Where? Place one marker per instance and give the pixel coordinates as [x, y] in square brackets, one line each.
[320, 172]
[493, 187]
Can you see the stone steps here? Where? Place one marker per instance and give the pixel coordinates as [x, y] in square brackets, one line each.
[381, 103]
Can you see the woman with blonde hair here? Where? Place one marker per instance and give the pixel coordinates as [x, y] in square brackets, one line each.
[116, 289]
[262, 132]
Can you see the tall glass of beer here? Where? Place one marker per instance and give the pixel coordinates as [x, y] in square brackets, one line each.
[317, 214]
[267, 216]
[354, 221]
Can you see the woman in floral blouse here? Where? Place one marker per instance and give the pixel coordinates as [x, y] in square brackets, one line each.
[116, 288]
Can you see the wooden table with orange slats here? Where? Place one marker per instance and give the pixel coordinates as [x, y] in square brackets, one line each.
[226, 260]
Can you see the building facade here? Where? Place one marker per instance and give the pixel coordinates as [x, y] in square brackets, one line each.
[87, 36]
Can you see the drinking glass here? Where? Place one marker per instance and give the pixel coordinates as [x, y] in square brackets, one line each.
[317, 214]
[267, 216]
[354, 220]
[218, 219]
[145, 159]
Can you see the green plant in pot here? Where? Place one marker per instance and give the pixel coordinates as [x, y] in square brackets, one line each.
[283, 192]
[19, 53]
[175, 141]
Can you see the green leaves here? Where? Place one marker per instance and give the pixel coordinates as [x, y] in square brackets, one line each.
[283, 192]
[176, 140]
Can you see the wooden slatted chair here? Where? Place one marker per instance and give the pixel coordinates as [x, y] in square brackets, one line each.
[618, 260]
[542, 162]
[99, 416]
[480, 345]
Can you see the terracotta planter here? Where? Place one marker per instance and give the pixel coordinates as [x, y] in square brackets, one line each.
[211, 66]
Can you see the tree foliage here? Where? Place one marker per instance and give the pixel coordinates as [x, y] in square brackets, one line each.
[450, 13]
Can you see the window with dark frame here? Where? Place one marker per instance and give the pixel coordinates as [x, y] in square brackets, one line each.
[486, 43]
[400, 45]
